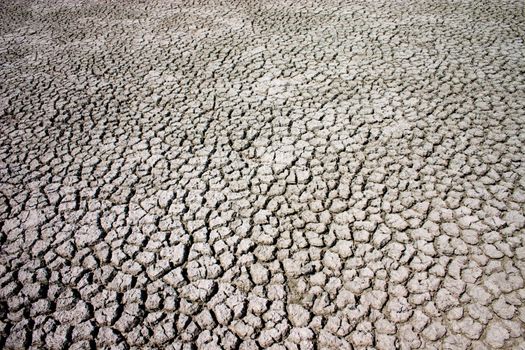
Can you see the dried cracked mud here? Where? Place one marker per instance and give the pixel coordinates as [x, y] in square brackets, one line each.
[262, 175]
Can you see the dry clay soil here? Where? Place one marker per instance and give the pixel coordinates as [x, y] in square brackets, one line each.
[262, 174]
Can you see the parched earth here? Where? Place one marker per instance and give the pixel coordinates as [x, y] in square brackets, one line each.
[262, 174]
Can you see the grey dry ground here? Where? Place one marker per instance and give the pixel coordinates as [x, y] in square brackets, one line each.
[262, 175]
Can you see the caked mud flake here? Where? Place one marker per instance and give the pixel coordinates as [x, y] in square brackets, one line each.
[262, 174]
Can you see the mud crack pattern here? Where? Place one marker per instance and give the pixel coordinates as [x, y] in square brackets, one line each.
[262, 175]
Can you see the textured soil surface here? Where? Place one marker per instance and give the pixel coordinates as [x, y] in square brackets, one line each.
[262, 175]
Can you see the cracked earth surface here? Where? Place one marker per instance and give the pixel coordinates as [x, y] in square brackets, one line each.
[262, 175]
